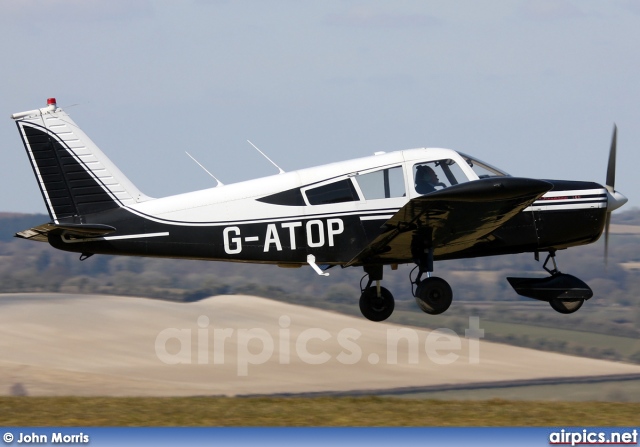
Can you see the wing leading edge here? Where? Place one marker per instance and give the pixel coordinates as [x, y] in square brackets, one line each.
[451, 219]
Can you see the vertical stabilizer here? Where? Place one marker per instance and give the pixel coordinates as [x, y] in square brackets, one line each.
[76, 178]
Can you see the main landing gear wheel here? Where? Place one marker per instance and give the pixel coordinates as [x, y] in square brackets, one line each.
[434, 295]
[566, 306]
[374, 307]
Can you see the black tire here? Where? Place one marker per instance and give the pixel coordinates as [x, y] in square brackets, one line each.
[374, 307]
[434, 295]
[566, 306]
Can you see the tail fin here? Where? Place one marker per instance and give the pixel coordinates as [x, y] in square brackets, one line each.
[75, 177]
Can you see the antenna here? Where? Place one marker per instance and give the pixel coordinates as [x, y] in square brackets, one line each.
[265, 156]
[205, 169]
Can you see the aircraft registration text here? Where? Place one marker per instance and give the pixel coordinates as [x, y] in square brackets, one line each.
[317, 233]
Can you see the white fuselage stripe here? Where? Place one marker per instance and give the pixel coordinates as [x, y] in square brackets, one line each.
[569, 206]
[355, 213]
[136, 236]
[581, 199]
[575, 192]
[113, 238]
[378, 217]
[567, 200]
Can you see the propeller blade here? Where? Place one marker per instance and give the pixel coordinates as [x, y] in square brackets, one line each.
[611, 166]
[606, 239]
[614, 200]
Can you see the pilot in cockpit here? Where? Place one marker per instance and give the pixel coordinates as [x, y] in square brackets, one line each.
[426, 180]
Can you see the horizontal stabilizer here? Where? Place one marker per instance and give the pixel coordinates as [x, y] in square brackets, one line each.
[78, 231]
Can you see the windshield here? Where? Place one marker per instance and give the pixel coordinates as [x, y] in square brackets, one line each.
[482, 169]
[434, 175]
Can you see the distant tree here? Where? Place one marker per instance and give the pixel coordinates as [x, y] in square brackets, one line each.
[18, 389]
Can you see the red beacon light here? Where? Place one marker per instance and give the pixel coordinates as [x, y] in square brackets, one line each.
[51, 101]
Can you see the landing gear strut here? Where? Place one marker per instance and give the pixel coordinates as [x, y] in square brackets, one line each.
[433, 294]
[376, 302]
[565, 293]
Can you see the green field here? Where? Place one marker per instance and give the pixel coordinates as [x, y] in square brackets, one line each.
[624, 345]
[582, 341]
[618, 391]
[300, 412]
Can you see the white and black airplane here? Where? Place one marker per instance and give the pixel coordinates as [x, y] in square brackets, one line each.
[413, 206]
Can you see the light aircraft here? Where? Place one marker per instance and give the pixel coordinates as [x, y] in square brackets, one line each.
[413, 206]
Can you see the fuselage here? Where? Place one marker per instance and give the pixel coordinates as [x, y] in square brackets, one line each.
[333, 212]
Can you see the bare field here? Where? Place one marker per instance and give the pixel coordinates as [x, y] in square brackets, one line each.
[91, 345]
[624, 229]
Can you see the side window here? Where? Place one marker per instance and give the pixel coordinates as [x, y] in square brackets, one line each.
[435, 175]
[336, 192]
[290, 197]
[382, 184]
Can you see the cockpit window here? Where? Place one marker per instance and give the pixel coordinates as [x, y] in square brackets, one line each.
[482, 169]
[382, 184]
[435, 175]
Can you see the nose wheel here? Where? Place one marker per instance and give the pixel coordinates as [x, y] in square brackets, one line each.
[566, 306]
[565, 293]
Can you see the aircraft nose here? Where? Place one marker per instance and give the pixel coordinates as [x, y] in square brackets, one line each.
[615, 200]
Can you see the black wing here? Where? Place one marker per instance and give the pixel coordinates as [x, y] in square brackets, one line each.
[452, 219]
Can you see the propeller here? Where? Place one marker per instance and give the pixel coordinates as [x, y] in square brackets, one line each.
[614, 199]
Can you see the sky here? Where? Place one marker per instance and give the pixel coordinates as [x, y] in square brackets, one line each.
[531, 86]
